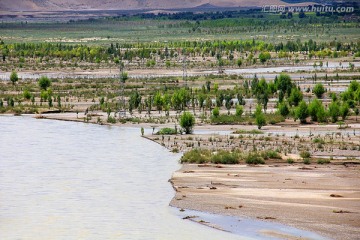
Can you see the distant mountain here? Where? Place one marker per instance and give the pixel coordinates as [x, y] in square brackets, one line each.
[315, 1]
[61, 5]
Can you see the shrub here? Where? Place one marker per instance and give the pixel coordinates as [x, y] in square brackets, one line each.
[225, 157]
[301, 112]
[26, 94]
[187, 122]
[111, 120]
[319, 140]
[254, 158]
[166, 131]
[305, 154]
[283, 109]
[44, 82]
[323, 161]
[259, 117]
[14, 77]
[216, 112]
[196, 156]
[290, 160]
[239, 110]
[253, 131]
[307, 161]
[319, 90]
[271, 154]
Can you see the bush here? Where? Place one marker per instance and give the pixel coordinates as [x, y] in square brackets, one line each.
[225, 157]
[111, 120]
[323, 161]
[271, 154]
[319, 90]
[290, 160]
[187, 122]
[196, 156]
[216, 112]
[239, 110]
[305, 154]
[319, 140]
[44, 82]
[301, 112]
[166, 131]
[14, 77]
[307, 161]
[26, 94]
[253, 131]
[254, 158]
[283, 109]
[260, 119]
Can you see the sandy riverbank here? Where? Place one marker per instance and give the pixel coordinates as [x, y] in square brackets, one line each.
[323, 199]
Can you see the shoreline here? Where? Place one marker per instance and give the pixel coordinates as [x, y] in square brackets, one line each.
[221, 189]
[304, 199]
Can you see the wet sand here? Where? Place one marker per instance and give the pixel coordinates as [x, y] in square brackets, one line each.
[322, 199]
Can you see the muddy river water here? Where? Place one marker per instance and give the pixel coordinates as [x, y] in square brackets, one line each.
[67, 180]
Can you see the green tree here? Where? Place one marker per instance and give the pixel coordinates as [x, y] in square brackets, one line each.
[14, 77]
[283, 109]
[158, 101]
[284, 83]
[313, 109]
[187, 122]
[344, 110]
[239, 62]
[301, 112]
[44, 82]
[319, 90]
[259, 117]
[295, 97]
[50, 101]
[264, 56]
[135, 99]
[334, 111]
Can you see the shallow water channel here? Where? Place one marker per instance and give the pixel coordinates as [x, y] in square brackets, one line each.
[67, 180]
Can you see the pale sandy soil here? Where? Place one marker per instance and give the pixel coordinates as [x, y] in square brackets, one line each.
[284, 193]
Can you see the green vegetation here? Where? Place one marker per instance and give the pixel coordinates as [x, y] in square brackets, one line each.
[167, 131]
[254, 158]
[187, 122]
[301, 112]
[14, 77]
[319, 90]
[44, 83]
[305, 154]
[254, 131]
[259, 117]
[227, 157]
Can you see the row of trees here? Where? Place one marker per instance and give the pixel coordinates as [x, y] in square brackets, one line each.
[171, 50]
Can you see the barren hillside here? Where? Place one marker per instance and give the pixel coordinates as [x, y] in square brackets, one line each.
[55, 5]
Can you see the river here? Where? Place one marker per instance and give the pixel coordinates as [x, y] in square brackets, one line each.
[67, 180]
